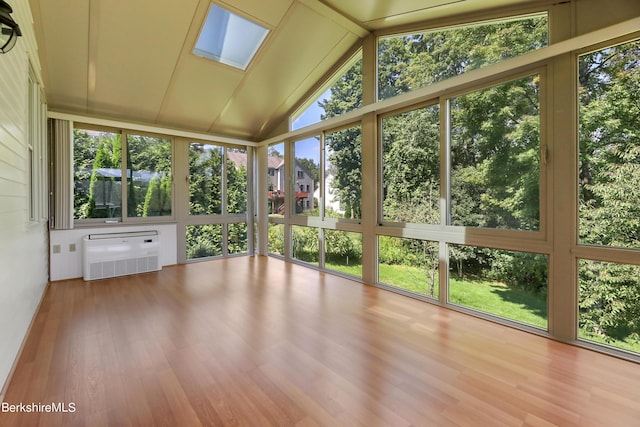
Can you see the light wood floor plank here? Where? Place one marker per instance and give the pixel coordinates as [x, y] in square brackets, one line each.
[256, 341]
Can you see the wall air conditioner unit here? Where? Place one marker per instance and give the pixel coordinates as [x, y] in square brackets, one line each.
[119, 254]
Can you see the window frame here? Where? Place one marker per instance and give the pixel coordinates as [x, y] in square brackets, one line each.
[37, 155]
[124, 219]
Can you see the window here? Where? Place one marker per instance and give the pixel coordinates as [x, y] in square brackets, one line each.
[99, 163]
[236, 181]
[276, 181]
[609, 196]
[204, 241]
[343, 173]
[276, 239]
[609, 168]
[409, 264]
[343, 252]
[237, 241]
[97, 159]
[609, 304]
[229, 38]
[411, 166]
[305, 244]
[495, 156]
[330, 101]
[218, 193]
[205, 179]
[508, 284]
[411, 61]
[149, 178]
[37, 154]
[307, 164]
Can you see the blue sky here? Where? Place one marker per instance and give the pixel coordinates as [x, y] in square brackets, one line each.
[308, 117]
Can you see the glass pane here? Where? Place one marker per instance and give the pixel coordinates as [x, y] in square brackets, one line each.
[148, 176]
[343, 173]
[229, 38]
[276, 175]
[236, 180]
[276, 239]
[204, 241]
[306, 175]
[495, 156]
[343, 252]
[237, 242]
[344, 95]
[411, 166]
[205, 179]
[508, 284]
[97, 167]
[305, 244]
[410, 61]
[609, 167]
[609, 304]
[409, 264]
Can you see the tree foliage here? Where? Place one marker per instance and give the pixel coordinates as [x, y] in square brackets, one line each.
[609, 178]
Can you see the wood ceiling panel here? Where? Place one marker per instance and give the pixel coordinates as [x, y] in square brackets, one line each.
[284, 66]
[63, 43]
[134, 56]
[197, 105]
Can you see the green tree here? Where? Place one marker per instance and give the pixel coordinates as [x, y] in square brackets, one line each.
[609, 178]
[157, 201]
[205, 179]
[105, 184]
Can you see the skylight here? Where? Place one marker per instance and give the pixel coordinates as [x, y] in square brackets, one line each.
[229, 38]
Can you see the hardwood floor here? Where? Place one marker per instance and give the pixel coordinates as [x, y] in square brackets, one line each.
[257, 341]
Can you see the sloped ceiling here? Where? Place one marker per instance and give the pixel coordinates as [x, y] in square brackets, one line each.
[132, 60]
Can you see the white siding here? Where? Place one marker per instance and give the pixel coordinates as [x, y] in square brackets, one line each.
[23, 245]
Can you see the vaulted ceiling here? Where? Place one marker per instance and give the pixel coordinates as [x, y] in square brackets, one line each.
[132, 60]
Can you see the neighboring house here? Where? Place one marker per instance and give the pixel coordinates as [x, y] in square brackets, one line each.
[304, 184]
[331, 200]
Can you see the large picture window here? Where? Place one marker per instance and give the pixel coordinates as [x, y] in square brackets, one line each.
[103, 157]
[343, 173]
[306, 175]
[148, 176]
[205, 179]
[410, 61]
[411, 166]
[97, 160]
[495, 156]
[609, 196]
[609, 129]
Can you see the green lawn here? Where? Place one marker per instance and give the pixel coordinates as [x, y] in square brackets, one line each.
[353, 269]
[491, 297]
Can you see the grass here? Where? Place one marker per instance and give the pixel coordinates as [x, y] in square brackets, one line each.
[484, 295]
[352, 270]
[499, 299]
[488, 296]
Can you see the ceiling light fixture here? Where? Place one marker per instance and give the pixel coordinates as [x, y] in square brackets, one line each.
[9, 29]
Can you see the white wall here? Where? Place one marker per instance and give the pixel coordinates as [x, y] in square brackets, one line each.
[23, 244]
[68, 265]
